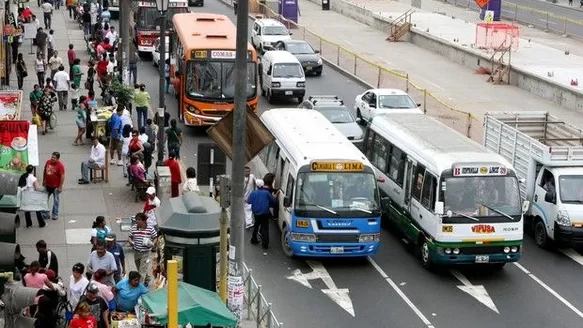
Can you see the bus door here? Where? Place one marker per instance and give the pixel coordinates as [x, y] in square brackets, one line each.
[408, 182]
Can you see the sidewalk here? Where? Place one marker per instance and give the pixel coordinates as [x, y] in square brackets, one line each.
[455, 84]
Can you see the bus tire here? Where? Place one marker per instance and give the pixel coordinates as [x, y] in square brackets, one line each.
[285, 247]
[540, 234]
[424, 254]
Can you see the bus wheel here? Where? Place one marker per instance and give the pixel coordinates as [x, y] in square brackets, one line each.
[540, 234]
[424, 254]
[285, 247]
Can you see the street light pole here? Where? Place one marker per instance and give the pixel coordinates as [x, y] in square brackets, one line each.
[162, 6]
[239, 161]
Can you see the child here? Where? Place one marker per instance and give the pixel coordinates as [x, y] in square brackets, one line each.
[74, 94]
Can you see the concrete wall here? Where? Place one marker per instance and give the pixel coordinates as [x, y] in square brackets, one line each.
[547, 89]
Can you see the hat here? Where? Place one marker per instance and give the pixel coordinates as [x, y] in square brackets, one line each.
[151, 191]
[92, 288]
[51, 274]
[110, 237]
[259, 183]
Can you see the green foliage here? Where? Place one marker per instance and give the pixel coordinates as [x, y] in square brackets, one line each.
[123, 93]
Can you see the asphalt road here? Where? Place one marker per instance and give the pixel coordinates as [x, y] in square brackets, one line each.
[573, 26]
[392, 290]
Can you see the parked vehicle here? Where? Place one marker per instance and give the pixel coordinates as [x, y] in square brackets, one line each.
[282, 76]
[383, 101]
[196, 3]
[266, 32]
[332, 107]
[308, 57]
[548, 157]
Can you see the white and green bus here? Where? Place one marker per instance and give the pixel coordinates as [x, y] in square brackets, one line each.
[452, 199]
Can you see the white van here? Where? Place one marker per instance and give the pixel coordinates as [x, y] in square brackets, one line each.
[282, 76]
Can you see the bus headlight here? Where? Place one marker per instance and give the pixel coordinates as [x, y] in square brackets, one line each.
[563, 218]
[448, 251]
[456, 251]
[514, 249]
[367, 238]
[275, 84]
[194, 110]
[304, 237]
[506, 249]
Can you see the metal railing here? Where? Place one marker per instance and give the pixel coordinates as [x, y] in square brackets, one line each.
[257, 307]
[378, 76]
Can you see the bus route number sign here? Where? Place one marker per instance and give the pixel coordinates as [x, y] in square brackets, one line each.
[337, 166]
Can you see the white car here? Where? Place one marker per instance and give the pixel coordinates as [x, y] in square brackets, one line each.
[156, 52]
[266, 32]
[382, 101]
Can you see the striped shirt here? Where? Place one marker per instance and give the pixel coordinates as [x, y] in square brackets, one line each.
[139, 236]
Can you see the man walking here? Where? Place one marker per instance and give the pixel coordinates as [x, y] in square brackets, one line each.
[261, 200]
[71, 56]
[47, 9]
[100, 258]
[142, 238]
[96, 160]
[41, 43]
[249, 183]
[54, 63]
[62, 83]
[53, 179]
[46, 257]
[115, 248]
[115, 141]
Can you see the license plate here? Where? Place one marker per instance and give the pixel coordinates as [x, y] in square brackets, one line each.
[289, 93]
[482, 258]
[337, 250]
[308, 68]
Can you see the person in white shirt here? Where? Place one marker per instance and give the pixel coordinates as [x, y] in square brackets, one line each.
[94, 10]
[47, 9]
[191, 184]
[29, 182]
[96, 160]
[62, 81]
[77, 284]
[250, 185]
[111, 66]
[111, 35]
[152, 203]
[54, 63]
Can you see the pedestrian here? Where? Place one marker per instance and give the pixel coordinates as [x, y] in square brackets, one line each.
[570, 2]
[96, 305]
[53, 179]
[30, 183]
[250, 185]
[54, 63]
[71, 8]
[86, 19]
[96, 160]
[74, 95]
[47, 9]
[77, 74]
[100, 258]
[125, 147]
[129, 290]
[16, 41]
[50, 43]
[83, 317]
[81, 121]
[105, 291]
[45, 108]
[62, 82]
[35, 96]
[115, 248]
[150, 206]
[142, 238]
[133, 65]
[269, 183]
[49, 84]
[77, 284]
[115, 141]
[21, 71]
[261, 201]
[191, 183]
[90, 77]
[174, 138]
[71, 56]
[167, 74]
[35, 279]
[45, 316]
[112, 36]
[40, 66]
[41, 43]
[46, 257]
[175, 174]
[142, 102]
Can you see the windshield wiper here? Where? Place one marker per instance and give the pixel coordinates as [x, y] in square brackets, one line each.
[497, 211]
[360, 209]
[323, 208]
[466, 216]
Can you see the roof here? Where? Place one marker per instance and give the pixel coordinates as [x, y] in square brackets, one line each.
[282, 56]
[425, 137]
[306, 135]
[205, 31]
[389, 91]
[269, 22]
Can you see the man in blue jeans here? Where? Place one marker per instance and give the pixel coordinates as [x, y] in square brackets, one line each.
[261, 201]
[53, 179]
[142, 101]
[116, 138]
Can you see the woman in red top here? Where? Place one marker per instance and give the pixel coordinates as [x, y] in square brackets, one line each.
[135, 147]
[102, 68]
[83, 317]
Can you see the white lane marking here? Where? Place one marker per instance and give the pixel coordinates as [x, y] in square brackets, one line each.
[550, 290]
[573, 255]
[340, 296]
[545, 21]
[478, 292]
[401, 294]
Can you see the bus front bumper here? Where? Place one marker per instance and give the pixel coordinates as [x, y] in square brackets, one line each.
[438, 258]
[192, 119]
[570, 235]
[334, 250]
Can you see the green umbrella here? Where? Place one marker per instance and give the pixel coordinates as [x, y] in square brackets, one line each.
[196, 306]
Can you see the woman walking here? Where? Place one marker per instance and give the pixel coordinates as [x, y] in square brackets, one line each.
[30, 183]
[76, 73]
[21, 72]
[90, 77]
[80, 120]
[174, 137]
[46, 108]
[40, 66]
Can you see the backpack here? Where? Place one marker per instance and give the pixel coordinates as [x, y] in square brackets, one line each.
[101, 234]
[22, 180]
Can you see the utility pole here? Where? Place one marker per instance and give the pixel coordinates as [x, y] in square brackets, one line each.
[225, 202]
[162, 89]
[237, 232]
[124, 8]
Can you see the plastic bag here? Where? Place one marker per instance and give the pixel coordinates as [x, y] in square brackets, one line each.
[36, 119]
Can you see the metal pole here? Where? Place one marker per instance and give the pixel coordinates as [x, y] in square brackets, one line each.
[237, 233]
[172, 273]
[225, 184]
[162, 90]
[124, 7]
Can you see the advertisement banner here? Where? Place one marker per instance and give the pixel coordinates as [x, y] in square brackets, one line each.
[14, 146]
[10, 105]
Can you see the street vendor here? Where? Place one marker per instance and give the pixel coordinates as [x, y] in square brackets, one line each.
[128, 291]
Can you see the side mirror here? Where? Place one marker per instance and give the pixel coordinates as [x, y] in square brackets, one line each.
[381, 179]
[269, 71]
[316, 51]
[385, 202]
[439, 208]
[286, 201]
[551, 197]
[418, 105]
[525, 206]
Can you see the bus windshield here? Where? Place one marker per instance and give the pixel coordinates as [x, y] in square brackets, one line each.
[149, 18]
[478, 197]
[333, 194]
[215, 80]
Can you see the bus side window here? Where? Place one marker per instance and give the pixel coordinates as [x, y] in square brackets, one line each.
[418, 182]
[379, 151]
[428, 194]
[368, 145]
[289, 189]
[397, 165]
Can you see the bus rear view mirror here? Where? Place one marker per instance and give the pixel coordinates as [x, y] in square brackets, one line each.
[439, 208]
[525, 206]
[286, 201]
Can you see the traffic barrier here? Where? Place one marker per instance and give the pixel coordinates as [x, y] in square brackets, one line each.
[378, 76]
[257, 308]
[541, 19]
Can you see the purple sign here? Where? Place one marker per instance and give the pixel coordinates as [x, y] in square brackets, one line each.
[289, 9]
[493, 5]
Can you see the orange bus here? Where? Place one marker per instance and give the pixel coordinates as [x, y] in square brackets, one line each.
[203, 59]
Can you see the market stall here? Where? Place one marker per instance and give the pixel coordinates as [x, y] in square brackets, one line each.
[196, 306]
[99, 117]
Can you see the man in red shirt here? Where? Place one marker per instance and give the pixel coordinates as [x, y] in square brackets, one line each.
[53, 179]
[175, 175]
[71, 55]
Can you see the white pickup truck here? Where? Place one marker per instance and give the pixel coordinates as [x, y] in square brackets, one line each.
[547, 154]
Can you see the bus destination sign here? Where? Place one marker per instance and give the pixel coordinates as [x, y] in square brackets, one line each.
[216, 54]
[477, 170]
[337, 166]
